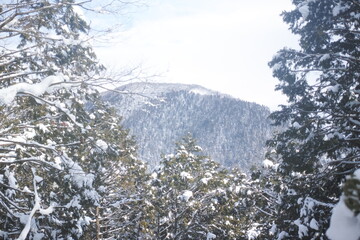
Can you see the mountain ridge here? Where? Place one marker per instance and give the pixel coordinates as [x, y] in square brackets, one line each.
[233, 132]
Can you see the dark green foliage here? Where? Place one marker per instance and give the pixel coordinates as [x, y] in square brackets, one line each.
[63, 153]
[321, 82]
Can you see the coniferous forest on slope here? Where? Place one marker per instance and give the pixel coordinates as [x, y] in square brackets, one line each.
[231, 131]
[70, 170]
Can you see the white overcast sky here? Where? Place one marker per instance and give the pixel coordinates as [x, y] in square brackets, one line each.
[224, 45]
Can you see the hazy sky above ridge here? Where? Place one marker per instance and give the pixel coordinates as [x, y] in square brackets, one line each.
[222, 45]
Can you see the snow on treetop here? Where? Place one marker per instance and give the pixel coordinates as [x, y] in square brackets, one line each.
[277, 67]
[304, 10]
[201, 91]
[208, 176]
[74, 202]
[205, 180]
[267, 163]
[102, 145]
[46, 211]
[187, 194]
[357, 174]
[314, 224]
[338, 9]
[198, 148]
[210, 236]
[302, 229]
[334, 88]
[253, 232]
[185, 175]
[324, 57]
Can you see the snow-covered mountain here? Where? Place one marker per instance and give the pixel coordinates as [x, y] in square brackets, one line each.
[231, 131]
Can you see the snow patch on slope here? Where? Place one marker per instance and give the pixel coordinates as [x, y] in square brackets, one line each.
[156, 89]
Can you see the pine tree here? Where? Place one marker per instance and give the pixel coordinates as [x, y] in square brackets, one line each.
[321, 82]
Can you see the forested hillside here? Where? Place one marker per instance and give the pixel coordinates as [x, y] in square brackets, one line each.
[231, 131]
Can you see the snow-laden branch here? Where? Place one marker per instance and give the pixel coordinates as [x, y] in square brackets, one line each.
[7, 95]
[12, 75]
[29, 144]
[10, 202]
[36, 207]
[23, 160]
[354, 121]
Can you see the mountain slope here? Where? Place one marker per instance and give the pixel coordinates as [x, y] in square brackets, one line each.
[231, 131]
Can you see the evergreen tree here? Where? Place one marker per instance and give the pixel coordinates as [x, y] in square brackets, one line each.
[109, 154]
[61, 150]
[321, 82]
[322, 86]
[193, 198]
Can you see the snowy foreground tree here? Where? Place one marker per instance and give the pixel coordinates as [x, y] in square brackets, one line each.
[191, 197]
[321, 145]
[61, 148]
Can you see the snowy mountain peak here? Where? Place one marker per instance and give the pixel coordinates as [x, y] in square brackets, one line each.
[140, 93]
[231, 131]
